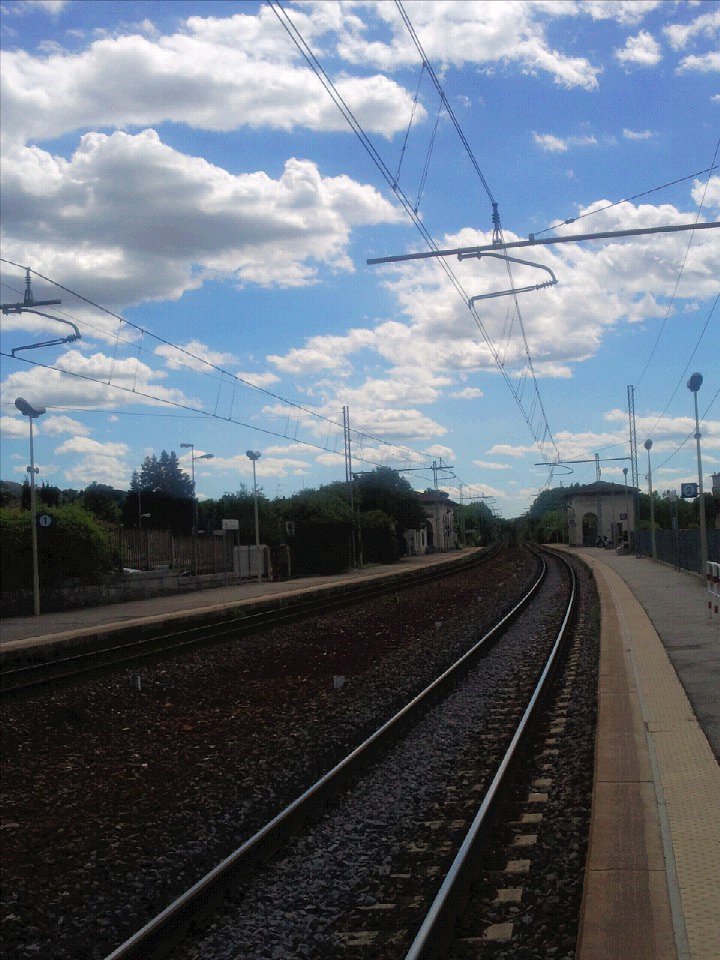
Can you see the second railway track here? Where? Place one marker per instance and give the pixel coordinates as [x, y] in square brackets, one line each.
[27, 671]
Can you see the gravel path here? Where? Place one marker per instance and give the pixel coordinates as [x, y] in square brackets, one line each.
[113, 801]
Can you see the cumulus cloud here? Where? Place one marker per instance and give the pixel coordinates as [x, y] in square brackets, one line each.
[103, 462]
[91, 381]
[60, 423]
[468, 393]
[193, 355]
[707, 63]
[183, 219]
[643, 50]
[491, 465]
[552, 144]
[486, 34]
[14, 428]
[214, 74]
[637, 134]
[706, 25]
[710, 191]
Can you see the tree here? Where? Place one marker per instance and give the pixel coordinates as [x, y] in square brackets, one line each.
[164, 491]
[103, 501]
[163, 475]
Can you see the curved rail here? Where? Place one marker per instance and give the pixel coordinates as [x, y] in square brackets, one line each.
[436, 931]
[33, 676]
[158, 936]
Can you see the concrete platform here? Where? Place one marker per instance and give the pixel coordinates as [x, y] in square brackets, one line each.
[652, 886]
[86, 623]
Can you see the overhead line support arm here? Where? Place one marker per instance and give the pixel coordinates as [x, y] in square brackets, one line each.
[546, 241]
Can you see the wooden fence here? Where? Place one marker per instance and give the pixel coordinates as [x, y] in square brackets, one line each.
[157, 549]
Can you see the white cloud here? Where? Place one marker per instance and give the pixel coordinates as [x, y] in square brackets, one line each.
[468, 393]
[623, 11]
[258, 379]
[710, 191]
[708, 63]
[680, 34]
[94, 460]
[643, 50]
[55, 388]
[485, 34]
[508, 450]
[183, 220]
[15, 428]
[491, 465]
[637, 134]
[60, 423]
[50, 6]
[193, 355]
[552, 144]
[215, 74]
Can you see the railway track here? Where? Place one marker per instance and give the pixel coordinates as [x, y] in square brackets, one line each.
[34, 671]
[355, 873]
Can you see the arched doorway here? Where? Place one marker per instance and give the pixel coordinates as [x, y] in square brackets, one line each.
[589, 529]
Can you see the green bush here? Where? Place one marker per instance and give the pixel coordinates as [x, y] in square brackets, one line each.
[379, 540]
[73, 547]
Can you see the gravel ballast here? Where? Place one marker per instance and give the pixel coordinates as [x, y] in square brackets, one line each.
[115, 800]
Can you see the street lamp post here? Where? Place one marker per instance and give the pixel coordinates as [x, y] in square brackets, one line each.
[254, 455]
[32, 413]
[193, 458]
[627, 505]
[648, 447]
[694, 384]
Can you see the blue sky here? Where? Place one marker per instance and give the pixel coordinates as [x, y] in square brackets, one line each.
[180, 167]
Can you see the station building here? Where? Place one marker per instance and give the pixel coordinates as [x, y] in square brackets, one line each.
[440, 523]
[598, 510]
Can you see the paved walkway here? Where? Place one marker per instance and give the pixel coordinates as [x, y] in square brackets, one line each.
[651, 884]
[15, 631]
[676, 603]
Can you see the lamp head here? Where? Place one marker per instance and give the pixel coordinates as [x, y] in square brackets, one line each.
[625, 471]
[187, 446]
[27, 409]
[206, 456]
[695, 382]
[648, 444]
[252, 454]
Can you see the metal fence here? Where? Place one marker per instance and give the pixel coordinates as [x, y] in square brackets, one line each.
[681, 548]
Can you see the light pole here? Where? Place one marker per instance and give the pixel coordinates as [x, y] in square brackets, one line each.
[32, 413]
[193, 458]
[694, 384]
[627, 505]
[648, 447]
[254, 455]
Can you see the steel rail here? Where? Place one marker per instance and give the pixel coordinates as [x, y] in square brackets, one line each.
[30, 677]
[436, 931]
[161, 934]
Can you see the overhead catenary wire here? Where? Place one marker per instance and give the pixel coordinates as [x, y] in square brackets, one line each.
[679, 277]
[176, 403]
[540, 436]
[193, 358]
[616, 203]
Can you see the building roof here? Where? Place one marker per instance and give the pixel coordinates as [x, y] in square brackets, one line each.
[600, 488]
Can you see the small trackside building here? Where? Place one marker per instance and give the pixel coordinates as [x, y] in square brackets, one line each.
[440, 523]
[600, 510]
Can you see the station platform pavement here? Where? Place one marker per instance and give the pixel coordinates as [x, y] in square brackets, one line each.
[652, 882]
[50, 629]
